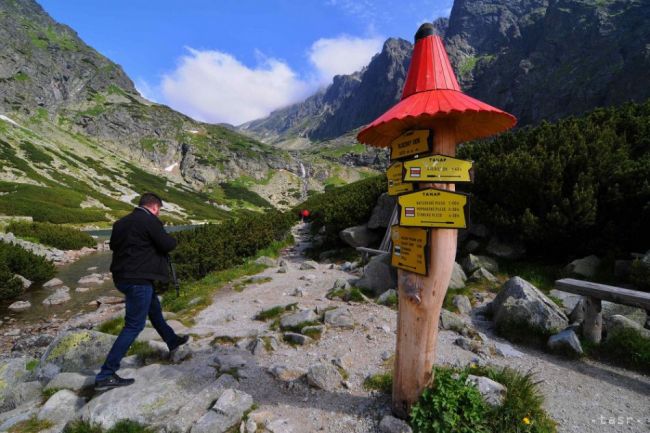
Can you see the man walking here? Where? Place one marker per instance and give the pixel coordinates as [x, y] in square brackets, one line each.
[140, 248]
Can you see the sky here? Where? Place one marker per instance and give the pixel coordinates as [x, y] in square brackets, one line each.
[232, 61]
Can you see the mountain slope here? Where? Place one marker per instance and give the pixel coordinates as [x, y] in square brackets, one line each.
[68, 96]
[538, 59]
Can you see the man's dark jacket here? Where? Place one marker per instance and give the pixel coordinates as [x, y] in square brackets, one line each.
[140, 246]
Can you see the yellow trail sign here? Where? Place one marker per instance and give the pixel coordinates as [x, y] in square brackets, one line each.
[396, 185]
[433, 207]
[437, 168]
[410, 249]
[411, 143]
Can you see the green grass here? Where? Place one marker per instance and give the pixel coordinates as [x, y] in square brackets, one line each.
[32, 425]
[145, 352]
[451, 404]
[47, 393]
[542, 276]
[240, 193]
[56, 236]
[274, 312]
[112, 326]
[624, 347]
[123, 426]
[382, 382]
[21, 77]
[31, 365]
[205, 288]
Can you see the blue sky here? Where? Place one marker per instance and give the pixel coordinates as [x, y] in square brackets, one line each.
[234, 61]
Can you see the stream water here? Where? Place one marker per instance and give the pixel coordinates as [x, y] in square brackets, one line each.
[70, 274]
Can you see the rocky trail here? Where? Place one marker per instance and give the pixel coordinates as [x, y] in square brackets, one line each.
[241, 374]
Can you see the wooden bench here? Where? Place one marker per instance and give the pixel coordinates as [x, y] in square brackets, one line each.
[593, 294]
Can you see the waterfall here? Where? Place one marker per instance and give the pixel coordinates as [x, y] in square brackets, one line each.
[303, 173]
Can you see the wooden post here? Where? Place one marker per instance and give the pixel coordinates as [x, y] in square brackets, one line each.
[420, 300]
[592, 327]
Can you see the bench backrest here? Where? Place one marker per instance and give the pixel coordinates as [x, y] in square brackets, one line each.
[614, 294]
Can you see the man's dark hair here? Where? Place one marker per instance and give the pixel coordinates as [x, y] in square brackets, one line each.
[149, 198]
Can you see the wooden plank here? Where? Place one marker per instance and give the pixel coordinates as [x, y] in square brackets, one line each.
[371, 251]
[614, 294]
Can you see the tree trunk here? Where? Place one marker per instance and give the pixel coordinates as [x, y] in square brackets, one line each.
[420, 301]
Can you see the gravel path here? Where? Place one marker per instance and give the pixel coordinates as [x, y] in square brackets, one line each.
[583, 396]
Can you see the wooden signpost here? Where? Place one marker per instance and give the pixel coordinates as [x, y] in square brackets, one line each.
[396, 185]
[438, 168]
[410, 248]
[422, 131]
[433, 207]
[411, 143]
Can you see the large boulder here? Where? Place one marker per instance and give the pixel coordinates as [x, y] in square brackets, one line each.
[20, 306]
[617, 322]
[324, 376]
[378, 275]
[226, 413]
[520, 305]
[381, 213]
[473, 262]
[298, 319]
[60, 296]
[565, 342]
[339, 318]
[458, 277]
[13, 372]
[503, 250]
[78, 351]
[358, 236]
[584, 267]
[170, 397]
[638, 315]
[61, 407]
[493, 392]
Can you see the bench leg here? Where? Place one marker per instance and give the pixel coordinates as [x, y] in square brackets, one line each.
[592, 327]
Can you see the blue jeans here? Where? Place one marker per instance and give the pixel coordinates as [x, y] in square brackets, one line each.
[141, 301]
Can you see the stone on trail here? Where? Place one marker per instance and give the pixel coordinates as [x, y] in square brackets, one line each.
[110, 300]
[298, 339]
[20, 306]
[17, 391]
[493, 392]
[299, 292]
[298, 318]
[284, 267]
[339, 318]
[378, 275]
[452, 322]
[482, 274]
[566, 342]
[225, 414]
[78, 351]
[52, 283]
[160, 393]
[324, 376]
[390, 424]
[12, 417]
[584, 267]
[462, 303]
[520, 303]
[266, 261]
[308, 265]
[286, 373]
[358, 236]
[71, 381]
[471, 263]
[60, 296]
[458, 277]
[227, 362]
[61, 407]
[384, 297]
[341, 283]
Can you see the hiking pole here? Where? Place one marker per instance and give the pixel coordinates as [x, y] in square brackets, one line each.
[172, 269]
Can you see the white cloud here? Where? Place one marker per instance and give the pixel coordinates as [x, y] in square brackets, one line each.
[341, 55]
[213, 86]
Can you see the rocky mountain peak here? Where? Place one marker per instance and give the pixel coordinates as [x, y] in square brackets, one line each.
[46, 64]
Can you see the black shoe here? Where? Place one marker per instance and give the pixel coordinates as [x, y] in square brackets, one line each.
[181, 340]
[111, 382]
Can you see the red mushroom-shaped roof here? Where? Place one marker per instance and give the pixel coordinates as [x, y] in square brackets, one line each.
[432, 94]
